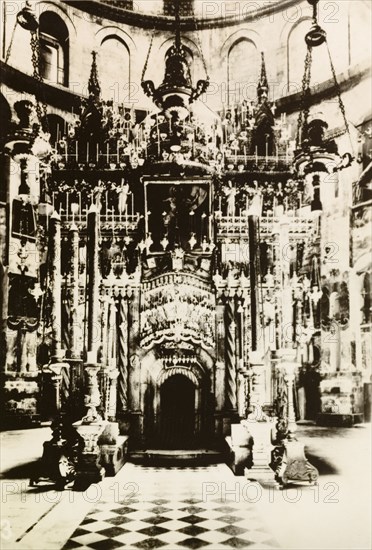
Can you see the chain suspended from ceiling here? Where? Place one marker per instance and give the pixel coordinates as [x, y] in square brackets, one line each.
[27, 20]
[314, 38]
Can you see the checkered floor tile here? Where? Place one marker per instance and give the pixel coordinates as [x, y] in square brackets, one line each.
[163, 508]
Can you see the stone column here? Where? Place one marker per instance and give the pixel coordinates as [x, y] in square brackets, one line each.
[231, 401]
[93, 396]
[252, 233]
[133, 337]
[286, 290]
[113, 386]
[134, 364]
[123, 355]
[74, 351]
[94, 322]
[55, 283]
[289, 367]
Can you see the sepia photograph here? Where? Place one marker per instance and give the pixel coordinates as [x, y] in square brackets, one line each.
[185, 274]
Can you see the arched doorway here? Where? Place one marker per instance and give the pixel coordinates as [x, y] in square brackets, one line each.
[177, 413]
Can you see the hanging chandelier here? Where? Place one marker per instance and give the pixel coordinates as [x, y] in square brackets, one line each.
[32, 135]
[315, 153]
[176, 92]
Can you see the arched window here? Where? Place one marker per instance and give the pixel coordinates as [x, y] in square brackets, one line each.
[115, 84]
[242, 71]
[54, 49]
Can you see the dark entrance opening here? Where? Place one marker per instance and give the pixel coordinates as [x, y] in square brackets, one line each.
[177, 413]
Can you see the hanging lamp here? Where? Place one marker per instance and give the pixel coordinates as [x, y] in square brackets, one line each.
[315, 154]
[176, 92]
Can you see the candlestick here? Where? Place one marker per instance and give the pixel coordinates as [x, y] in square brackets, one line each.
[245, 154]
[97, 152]
[158, 135]
[76, 151]
[132, 199]
[256, 155]
[108, 153]
[88, 152]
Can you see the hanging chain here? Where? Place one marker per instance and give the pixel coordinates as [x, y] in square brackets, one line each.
[303, 115]
[340, 102]
[9, 50]
[41, 108]
[200, 47]
[148, 56]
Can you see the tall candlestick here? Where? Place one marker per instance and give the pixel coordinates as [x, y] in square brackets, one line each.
[88, 152]
[76, 151]
[256, 155]
[158, 136]
[245, 154]
[97, 152]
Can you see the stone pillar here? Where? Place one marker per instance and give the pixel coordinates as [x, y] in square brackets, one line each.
[286, 319]
[123, 355]
[134, 366]
[55, 284]
[257, 397]
[252, 233]
[74, 351]
[94, 322]
[289, 366]
[93, 396]
[113, 387]
[231, 401]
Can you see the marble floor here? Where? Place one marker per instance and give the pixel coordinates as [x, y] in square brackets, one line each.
[203, 507]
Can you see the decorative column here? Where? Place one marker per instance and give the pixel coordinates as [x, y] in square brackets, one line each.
[74, 351]
[290, 462]
[123, 354]
[252, 235]
[286, 289]
[93, 283]
[55, 284]
[113, 386]
[134, 365]
[231, 401]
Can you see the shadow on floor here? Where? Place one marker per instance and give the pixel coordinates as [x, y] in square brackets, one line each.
[23, 471]
[323, 466]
